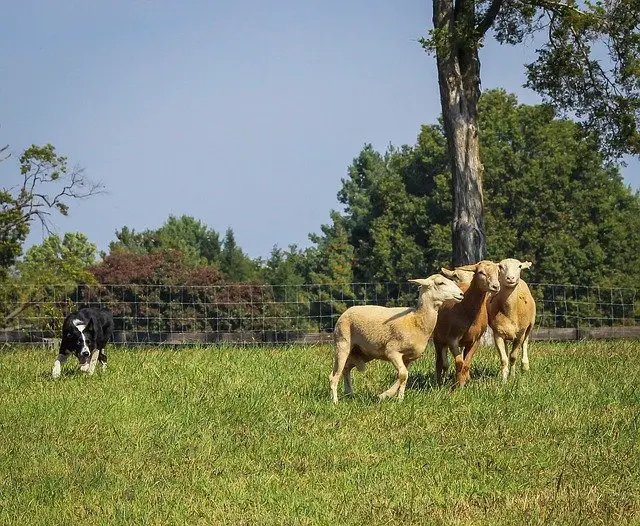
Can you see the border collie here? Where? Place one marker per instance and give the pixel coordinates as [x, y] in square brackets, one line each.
[85, 333]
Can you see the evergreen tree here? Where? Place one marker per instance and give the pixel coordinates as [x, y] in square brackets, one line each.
[286, 267]
[234, 264]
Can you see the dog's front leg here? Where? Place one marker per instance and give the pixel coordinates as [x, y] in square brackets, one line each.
[92, 363]
[57, 365]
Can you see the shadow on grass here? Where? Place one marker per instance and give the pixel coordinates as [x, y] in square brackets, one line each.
[422, 382]
[417, 381]
[482, 372]
[359, 396]
[71, 373]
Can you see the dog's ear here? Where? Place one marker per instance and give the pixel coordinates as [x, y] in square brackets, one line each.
[90, 324]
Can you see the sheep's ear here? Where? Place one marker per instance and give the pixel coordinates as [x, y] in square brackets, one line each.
[421, 282]
[470, 268]
[451, 274]
[526, 264]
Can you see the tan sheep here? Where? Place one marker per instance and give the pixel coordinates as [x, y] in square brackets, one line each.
[512, 314]
[460, 275]
[395, 334]
[461, 325]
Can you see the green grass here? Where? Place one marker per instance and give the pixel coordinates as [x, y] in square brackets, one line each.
[249, 436]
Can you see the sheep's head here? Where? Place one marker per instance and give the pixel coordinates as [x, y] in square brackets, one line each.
[439, 289]
[485, 275]
[458, 275]
[510, 271]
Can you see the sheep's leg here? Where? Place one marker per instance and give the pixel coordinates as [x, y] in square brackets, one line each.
[513, 355]
[403, 384]
[525, 350]
[462, 368]
[339, 361]
[395, 357]
[504, 361]
[346, 377]
[469, 351]
[442, 362]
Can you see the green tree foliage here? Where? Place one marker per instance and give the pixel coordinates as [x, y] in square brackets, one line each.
[396, 209]
[47, 276]
[286, 267]
[550, 199]
[288, 291]
[67, 258]
[235, 265]
[46, 185]
[332, 260]
[588, 67]
[330, 265]
[191, 237]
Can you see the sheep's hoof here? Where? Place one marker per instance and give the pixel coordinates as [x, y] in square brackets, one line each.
[525, 366]
[459, 383]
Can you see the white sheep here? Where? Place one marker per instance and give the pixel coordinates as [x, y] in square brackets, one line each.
[395, 334]
[512, 314]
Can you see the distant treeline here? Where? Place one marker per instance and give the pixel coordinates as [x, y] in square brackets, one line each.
[549, 199]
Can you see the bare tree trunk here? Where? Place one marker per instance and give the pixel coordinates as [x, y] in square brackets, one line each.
[459, 79]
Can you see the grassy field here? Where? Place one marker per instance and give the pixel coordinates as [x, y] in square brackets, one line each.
[249, 436]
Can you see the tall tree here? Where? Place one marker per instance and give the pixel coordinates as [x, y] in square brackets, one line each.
[332, 261]
[588, 67]
[234, 263]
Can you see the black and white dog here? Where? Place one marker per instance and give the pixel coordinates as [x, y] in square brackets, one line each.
[85, 333]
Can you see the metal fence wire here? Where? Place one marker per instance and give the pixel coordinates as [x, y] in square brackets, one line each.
[252, 313]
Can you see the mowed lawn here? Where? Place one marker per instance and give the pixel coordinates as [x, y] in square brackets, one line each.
[219, 435]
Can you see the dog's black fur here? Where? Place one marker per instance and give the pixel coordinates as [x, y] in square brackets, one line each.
[97, 332]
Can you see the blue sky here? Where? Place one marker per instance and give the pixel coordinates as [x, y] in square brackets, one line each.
[239, 113]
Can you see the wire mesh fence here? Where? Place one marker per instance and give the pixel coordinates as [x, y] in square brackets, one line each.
[252, 313]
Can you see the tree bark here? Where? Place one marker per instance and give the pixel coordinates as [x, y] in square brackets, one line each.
[459, 80]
